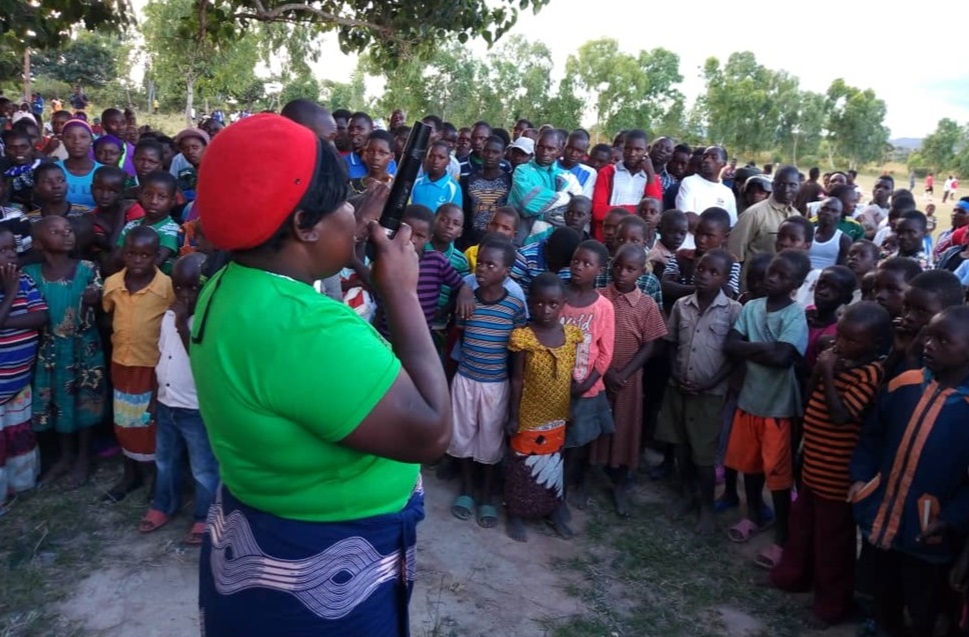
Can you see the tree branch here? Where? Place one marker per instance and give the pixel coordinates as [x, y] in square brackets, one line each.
[262, 14]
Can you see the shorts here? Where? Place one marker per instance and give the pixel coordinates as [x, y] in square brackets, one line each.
[691, 420]
[761, 444]
[591, 417]
[480, 411]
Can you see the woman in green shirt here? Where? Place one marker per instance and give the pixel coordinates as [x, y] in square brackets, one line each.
[318, 425]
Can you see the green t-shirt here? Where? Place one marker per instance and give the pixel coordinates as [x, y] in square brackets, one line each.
[283, 374]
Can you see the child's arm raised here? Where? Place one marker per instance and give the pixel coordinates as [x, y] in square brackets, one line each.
[10, 278]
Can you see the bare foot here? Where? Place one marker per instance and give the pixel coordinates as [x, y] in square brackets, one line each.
[58, 471]
[708, 521]
[814, 622]
[559, 522]
[79, 472]
[580, 497]
[515, 529]
[620, 501]
[565, 512]
[683, 508]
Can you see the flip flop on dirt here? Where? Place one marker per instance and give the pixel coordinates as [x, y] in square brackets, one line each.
[152, 521]
[769, 557]
[463, 507]
[743, 531]
[487, 516]
[195, 535]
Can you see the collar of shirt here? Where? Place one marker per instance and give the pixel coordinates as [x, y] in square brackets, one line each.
[632, 298]
[720, 299]
[155, 287]
[621, 168]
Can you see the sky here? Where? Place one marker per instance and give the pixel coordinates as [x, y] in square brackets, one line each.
[913, 61]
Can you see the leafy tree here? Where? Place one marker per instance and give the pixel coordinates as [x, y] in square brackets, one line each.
[90, 60]
[348, 95]
[519, 77]
[939, 149]
[802, 124]
[48, 24]
[855, 123]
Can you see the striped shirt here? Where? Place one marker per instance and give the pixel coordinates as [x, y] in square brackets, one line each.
[481, 197]
[484, 349]
[18, 347]
[685, 276]
[458, 261]
[530, 262]
[435, 272]
[828, 447]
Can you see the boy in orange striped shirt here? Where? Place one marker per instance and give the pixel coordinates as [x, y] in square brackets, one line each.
[820, 549]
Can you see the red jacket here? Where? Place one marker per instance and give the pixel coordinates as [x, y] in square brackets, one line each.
[602, 194]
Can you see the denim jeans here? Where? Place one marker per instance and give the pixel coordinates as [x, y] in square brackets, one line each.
[180, 430]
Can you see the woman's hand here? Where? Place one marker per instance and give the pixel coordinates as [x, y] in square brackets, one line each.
[369, 206]
[395, 260]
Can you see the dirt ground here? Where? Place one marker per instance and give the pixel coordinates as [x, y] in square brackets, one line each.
[471, 581]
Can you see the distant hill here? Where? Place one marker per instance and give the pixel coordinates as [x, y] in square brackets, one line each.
[910, 143]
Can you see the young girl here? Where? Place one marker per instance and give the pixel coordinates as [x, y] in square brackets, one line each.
[78, 167]
[542, 359]
[137, 298]
[595, 316]
[377, 155]
[69, 382]
[638, 324]
[108, 150]
[22, 313]
[51, 194]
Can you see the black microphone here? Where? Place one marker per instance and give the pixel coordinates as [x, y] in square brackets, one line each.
[410, 163]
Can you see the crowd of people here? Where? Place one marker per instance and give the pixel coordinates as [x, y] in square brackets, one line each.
[761, 328]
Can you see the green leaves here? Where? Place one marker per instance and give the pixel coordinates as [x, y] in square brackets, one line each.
[90, 60]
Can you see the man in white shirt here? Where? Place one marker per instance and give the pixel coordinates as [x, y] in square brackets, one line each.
[576, 147]
[704, 190]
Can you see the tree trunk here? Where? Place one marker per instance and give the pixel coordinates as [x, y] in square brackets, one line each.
[794, 153]
[189, 100]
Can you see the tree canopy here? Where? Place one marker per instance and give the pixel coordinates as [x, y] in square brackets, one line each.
[90, 60]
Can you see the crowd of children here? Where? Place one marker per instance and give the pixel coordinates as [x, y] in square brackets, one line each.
[829, 366]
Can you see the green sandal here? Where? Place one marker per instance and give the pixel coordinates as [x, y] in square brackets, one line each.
[487, 516]
[463, 507]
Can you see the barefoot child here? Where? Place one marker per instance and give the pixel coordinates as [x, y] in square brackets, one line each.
[22, 313]
[70, 384]
[820, 551]
[908, 481]
[595, 316]
[691, 414]
[137, 298]
[480, 391]
[770, 337]
[542, 360]
[639, 322]
[177, 412]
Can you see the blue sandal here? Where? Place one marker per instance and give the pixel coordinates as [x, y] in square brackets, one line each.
[487, 516]
[463, 507]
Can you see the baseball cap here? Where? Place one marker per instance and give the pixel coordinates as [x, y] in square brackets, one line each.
[524, 144]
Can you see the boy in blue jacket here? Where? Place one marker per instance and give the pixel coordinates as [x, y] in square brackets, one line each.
[910, 480]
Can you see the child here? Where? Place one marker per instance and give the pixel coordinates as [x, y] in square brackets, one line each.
[19, 166]
[23, 313]
[148, 157]
[576, 216]
[691, 415]
[50, 194]
[910, 232]
[448, 225]
[835, 288]
[830, 245]
[550, 255]
[821, 549]
[177, 412]
[797, 233]
[504, 221]
[436, 187]
[542, 359]
[191, 144]
[157, 197]
[770, 337]
[862, 259]
[69, 384]
[79, 166]
[137, 298]
[927, 294]
[639, 322]
[595, 316]
[632, 231]
[108, 150]
[672, 232]
[108, 217]
[649, 211]
[480, 391]
[908, 481]
[376, 156]
[485, 190]
[711, 233]
[891, 280]
[610, 224]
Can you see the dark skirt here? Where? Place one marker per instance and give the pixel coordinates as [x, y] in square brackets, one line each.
[533, 484]
[262, 575]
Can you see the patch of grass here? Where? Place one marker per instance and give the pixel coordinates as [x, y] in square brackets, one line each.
[652, 576]
[51, 539]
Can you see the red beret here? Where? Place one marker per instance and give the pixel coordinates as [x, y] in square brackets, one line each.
[252, 177]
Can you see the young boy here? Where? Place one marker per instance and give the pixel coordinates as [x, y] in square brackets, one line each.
[448, 225]
[797, 233]
[639, 323]
[862, 259]
[835, 289]
[711, 233]
[504, 221]
[435, 187]
[632, 231]
[485, 189]
[551, 255]
[822, 545]
[610, 224]
[909, 488]
[19, 164]
[672, 232]
[179, 423]
[690, 417]
[594, 314]
[480, 391]
[892, 277]
[910, 231]
[137, 298]
[770, 338]
[157, 198]
[576, 216]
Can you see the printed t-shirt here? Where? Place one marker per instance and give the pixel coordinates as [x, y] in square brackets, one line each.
[284, 374]
[598, 324]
